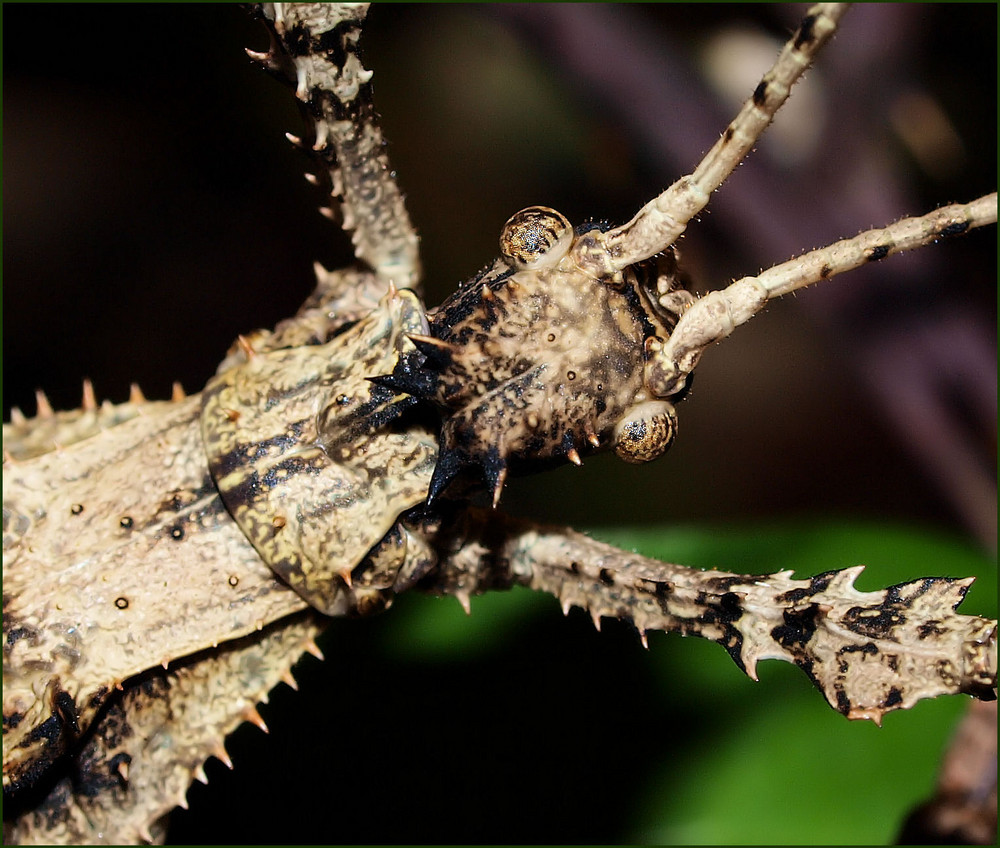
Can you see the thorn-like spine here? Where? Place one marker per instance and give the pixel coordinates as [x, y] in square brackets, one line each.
[294, 139]
[595, 617]
[135, 394]
[301, 86]
[644, 639]
[873, 714]
[289, 681]
[322, 136]
[462, 597]
[311, 178]
[311, 647]
[439, 353]
[123, 770]
[220, 753]
[594, 439]
[44, 407]
[498, 486]
[89, 402]
[267, 60]
[17, 417]
[200, 776]
[177, 392]
[251, 715]
[322, 274]
[245, 347]
[574, 457]
[328, 213]
[345, 575]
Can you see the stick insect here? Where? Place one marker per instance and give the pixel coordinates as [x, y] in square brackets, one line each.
[173, 299]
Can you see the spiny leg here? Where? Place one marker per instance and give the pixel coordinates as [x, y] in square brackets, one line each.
[661, 221]
[315, 47]
[868, 652]
[314, 50]
[716, 315]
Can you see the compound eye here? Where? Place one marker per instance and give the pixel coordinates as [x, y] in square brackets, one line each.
[536, 237]
[645, 432]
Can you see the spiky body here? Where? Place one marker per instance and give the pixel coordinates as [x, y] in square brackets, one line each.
[277, 416]
[533, 365]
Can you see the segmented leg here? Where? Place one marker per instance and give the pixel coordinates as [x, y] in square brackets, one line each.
[314, 48]
[716, 315]
[661, 221]
[316, 45]
[868, 652]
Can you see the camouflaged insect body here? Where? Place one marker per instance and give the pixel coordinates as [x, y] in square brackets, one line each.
[543, 364]
[308, 468]
[166, 566]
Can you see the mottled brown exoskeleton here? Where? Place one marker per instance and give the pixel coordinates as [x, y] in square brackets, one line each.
[327, 464]
[534, 360]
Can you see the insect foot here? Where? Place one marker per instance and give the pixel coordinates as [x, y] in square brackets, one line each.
[536, 361]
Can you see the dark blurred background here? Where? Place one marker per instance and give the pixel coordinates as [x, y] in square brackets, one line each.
[153, 210]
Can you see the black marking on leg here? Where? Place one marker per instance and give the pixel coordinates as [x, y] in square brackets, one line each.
[876, 253]
[875, 623]
[798, 629]
[793, 596]
[843, 702]
[893, 698]
[805, 34]
[760, 94]
[731, 607]
[725, 612]
[955, 229]
[868, 648]
[930, 628]
[821, 582]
